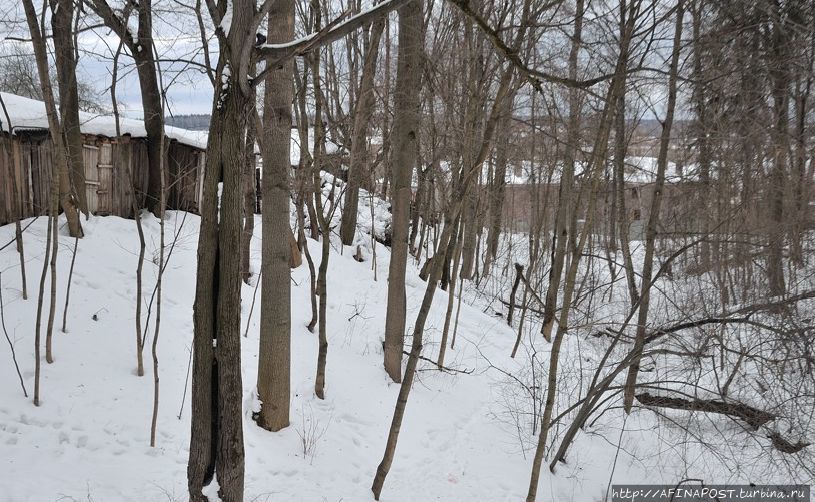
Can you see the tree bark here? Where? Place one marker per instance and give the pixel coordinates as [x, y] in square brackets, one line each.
[216, 440]
[274, 357]
[65, 55]
[498, 189]
[248, 203]
[359, 163]
[405, 134]
[779, 83]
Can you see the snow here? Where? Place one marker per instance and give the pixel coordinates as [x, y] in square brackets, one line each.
[378, 223]
[638, 170]
[382, 6]
[330, 145]
[28, 113]
[210, 491]
[226, 22]
[286, 45]
[465, 436]
[89, 438]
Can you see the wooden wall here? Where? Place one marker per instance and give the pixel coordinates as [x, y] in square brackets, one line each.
[115, 172]
[185, 170]
[14, 188]
[20, 158]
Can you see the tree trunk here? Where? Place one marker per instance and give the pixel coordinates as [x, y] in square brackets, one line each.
[779, 82]
[144, 56]
[65, 55]
[405, 134]
[248, 203]
[565, 203]
[60, 160]
[359, 164]
[325, 230]
[620, 147]
[498, 190]
[216, 440]
[274, 354]
[653, 217]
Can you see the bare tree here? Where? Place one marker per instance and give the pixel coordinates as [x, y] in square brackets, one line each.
[275, 318]
[405, 134]
[62, 20]
[653, 217]
[359, 162]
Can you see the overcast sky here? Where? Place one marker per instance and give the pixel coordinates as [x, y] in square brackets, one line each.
[189, 90]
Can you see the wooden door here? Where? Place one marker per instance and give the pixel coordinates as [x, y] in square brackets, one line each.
[104, 190]
[90, 159]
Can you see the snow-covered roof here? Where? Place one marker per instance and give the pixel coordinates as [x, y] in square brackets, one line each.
[638, 170]
[644, 170]
[28, 113]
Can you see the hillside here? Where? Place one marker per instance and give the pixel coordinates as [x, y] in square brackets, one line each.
[466, 435]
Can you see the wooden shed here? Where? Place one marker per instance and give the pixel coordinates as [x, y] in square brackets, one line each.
[115, 167]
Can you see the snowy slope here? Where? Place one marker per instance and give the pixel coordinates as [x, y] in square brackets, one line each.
[90, 435]
[465, 436]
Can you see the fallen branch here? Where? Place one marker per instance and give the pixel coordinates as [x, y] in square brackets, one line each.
[753, 416]
[440, 368]
[785, 446]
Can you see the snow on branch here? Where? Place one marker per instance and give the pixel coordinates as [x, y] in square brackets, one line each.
[335, 30]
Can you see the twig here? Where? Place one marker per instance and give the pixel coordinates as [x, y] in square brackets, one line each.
[252, 308]
[441, 368]
[12, 241]
[11, 345]
[68, 288]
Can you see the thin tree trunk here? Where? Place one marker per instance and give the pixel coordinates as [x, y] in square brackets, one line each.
[16, 202]
[248, 204]
[136, 215]
[325, 230]
[653, 217]
[620, 146]
[68, 286]
[52, 300]
[40, 297]
[702, 133]
[565, 203]
[62, 195]
[359, 162]
[779, 81]
[8, 339]
[154, 348]
[451, 293]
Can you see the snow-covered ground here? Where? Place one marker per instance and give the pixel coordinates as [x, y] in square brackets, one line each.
[465, 436]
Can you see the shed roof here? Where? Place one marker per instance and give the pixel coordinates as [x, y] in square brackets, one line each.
[26, 113]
